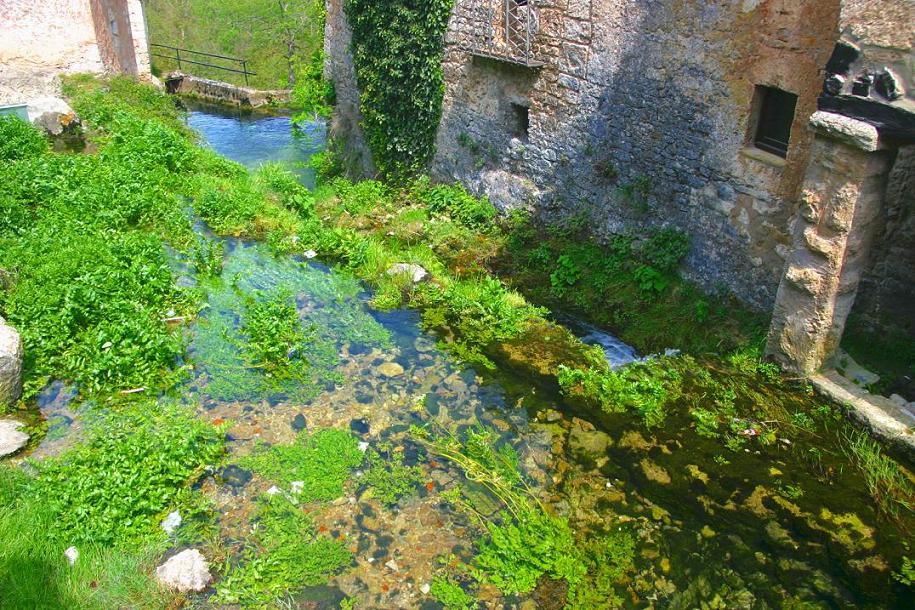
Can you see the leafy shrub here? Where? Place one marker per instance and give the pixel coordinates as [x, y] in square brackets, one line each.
[322, 461]
[650, 279]
[566, 274]
[118, 484]
[456, 202]
[664, 249]
[20, 140]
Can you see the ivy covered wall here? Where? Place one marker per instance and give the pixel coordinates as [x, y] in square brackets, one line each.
[397, 49]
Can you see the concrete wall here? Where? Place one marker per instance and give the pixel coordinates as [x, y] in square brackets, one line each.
[41, 39]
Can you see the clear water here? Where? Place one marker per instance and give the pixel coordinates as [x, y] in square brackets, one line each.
[711, 533]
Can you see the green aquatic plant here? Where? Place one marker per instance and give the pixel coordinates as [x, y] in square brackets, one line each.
[525, 542]
[275, 337]
[320, 463]
[284, 556]
[207, 258]
[906, 573]
[388, 477]
[451, 595]
[119, 483]
[457, 203]
[892, 491]
[644, 387]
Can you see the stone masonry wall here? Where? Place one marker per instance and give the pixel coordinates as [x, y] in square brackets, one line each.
[41, 39]
[651, 92]
[659, 94]
[886, 296]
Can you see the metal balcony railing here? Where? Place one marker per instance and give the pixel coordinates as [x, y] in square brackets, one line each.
[506, 31]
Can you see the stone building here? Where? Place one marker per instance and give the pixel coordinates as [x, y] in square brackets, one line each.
[41, 39]
[777, 133]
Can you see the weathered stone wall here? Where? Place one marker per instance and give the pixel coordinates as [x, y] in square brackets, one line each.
[338, 69]
[651, 92]
[41, 39]
[659, 95]
[224, 93]
[886, 296]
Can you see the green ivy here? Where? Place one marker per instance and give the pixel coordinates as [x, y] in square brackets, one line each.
[398, 46]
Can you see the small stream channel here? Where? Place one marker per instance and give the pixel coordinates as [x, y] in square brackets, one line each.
[710, 533]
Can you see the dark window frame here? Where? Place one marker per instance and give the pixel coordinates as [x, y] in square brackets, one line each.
[774, 115]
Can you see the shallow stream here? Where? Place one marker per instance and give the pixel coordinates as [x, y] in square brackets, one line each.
[758, 528]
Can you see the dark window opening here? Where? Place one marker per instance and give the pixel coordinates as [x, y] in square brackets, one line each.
[776, 114]
[521, 116]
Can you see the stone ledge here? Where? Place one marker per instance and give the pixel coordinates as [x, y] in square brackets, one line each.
[758, 154]
[847, 130]
[888, 421]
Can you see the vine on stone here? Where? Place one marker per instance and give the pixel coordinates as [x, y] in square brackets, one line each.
[398, 47]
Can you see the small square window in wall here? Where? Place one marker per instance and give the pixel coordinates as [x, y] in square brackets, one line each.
[775, 114]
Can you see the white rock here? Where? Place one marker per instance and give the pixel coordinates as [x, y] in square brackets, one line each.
[171, 522]
[391, 565]
[310, 254]
[12, 439]
[363, 446]
[273, 491]
[51, 114]
[296, 487]
[72, 554]
[425, 588]
[186, 571]
[10, 365]
[416, 273]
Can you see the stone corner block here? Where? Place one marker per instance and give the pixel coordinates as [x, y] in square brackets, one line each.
[850, 131]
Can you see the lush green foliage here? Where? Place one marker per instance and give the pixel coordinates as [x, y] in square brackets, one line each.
[891, 490]
[526, 542]
[285, 555]
[644, 387]
[321, 461]
[275, 335]
[19, 140]
[388, 477]
[398, 46]
[279, 38]
[451, 595]
[118, 485]
[106, 496]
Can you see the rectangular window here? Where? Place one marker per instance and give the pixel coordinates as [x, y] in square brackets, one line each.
[521, 116]
[775, 115]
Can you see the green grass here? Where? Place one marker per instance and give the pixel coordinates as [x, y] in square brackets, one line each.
[106, 496]
[892, 491]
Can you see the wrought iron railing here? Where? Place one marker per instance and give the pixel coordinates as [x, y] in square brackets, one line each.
[506, 31]
[188, 54]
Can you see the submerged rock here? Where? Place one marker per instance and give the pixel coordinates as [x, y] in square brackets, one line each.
[10, 364]
[390, 370]
[186, 571]
[589, 444]
[12, 439]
